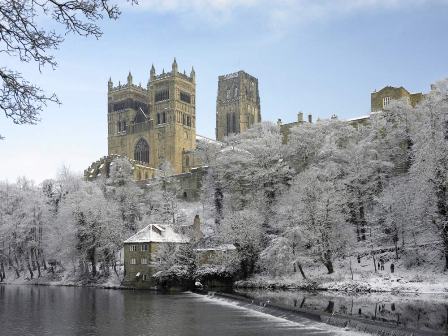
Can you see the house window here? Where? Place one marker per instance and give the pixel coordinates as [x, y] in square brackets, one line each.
[144, 261]
[133, 261]
[145, 247]
[133, 248]
[386, 101]
[145, 277]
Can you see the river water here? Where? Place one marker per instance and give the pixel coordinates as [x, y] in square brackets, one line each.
[422, 313]
[61, 311]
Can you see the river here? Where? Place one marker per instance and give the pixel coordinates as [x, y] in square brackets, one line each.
[423, 314]
[61, 311]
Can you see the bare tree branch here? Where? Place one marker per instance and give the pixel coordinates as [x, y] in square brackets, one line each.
[23, 36]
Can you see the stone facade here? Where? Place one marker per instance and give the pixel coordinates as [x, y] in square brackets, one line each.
[154, 124]
[285, 129]
[380, 99]
[101, 168]
[140, 253]
[237, 104]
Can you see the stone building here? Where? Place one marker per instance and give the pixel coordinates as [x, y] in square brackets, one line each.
[154, 124]
[285, 129]
[140, 253]
[380, 99]
[237, 104]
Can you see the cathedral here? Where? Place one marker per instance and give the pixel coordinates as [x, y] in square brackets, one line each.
[156, 124]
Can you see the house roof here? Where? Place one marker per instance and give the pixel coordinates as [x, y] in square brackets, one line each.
[157, 233]
[222, 247]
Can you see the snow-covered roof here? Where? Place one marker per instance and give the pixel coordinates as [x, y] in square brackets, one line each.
[207, 140]
[359, 118]
[222, 247]
[157, 233]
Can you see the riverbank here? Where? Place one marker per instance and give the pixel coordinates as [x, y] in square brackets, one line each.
[424, 280]
[66, 279]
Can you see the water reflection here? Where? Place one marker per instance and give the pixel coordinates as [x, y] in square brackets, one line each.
[420, 312]
[70, 311]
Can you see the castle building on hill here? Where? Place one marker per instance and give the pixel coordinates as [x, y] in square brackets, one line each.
[154, 124]
[237, 104]
[381, 99]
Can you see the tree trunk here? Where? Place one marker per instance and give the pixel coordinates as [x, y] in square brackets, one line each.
[351, 269]
[396, 248]
[374, 261]
[326, 260]
[36, 257]
[44, 263]
[2, 272]
[301, 270]
[17, 266]
[92, 261]
[329, 266]
[28, 265]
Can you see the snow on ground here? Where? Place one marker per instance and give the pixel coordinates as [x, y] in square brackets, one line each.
[64, 279]
[304, 322]
[428, 278]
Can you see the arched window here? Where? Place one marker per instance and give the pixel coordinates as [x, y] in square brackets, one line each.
[141, 151]
[139, 117]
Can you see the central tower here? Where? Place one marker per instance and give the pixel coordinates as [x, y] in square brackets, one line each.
[155, 124]
[237, 104]
[173, 98]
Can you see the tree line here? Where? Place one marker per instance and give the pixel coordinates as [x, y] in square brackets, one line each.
[335, 190]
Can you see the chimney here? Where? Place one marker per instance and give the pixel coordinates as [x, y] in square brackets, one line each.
[310, 118]
[300, 117]
[197, 233]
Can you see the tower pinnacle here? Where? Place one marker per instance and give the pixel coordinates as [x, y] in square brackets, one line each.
[174, 66]
[152, 72]
[193, 74]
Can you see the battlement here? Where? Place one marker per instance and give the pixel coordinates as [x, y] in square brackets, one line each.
[233, 75]
[128, 86]
[166, 75]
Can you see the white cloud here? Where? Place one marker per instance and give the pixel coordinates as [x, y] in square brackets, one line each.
[277, 13]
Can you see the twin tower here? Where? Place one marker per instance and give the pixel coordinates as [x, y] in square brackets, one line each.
[156, 124]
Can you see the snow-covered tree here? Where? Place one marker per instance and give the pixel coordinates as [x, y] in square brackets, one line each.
[121, 188]
[89, 228]
[429, 170]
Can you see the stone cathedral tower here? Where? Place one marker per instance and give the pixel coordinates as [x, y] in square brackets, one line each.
[237, 104]
[154, 124]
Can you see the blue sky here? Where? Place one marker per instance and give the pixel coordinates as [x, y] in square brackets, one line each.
[316, 56]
